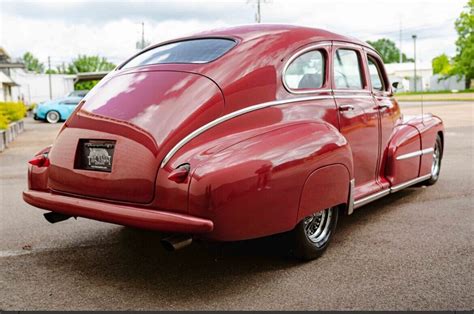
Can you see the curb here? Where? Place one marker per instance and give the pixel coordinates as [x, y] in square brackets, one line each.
[7, 136]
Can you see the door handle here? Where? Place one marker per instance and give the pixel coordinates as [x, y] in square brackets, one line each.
[346, 107]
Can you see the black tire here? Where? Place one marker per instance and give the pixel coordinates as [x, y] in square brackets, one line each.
[437, 157]
[53, 117]
[305, 248]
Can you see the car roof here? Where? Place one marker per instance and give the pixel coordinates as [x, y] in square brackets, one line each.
[287, 32]
[78, 98]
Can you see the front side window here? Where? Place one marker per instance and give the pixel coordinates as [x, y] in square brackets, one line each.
[306, 71]
[188, 51]
[375, 75]
[70, 102]
[347, 72]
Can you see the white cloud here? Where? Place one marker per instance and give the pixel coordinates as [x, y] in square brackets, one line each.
[65, 29]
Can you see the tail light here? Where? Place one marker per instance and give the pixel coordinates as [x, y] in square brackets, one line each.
[40, 161]
[41, 158]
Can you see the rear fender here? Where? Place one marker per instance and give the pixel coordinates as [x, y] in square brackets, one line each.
[256, 185]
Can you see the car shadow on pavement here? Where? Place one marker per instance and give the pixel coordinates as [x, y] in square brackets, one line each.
[134, 261]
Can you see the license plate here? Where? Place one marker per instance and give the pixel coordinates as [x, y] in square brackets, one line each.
[96, 155]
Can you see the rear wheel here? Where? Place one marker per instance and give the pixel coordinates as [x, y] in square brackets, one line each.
[312, 235]
[436, 163]
[53, 117]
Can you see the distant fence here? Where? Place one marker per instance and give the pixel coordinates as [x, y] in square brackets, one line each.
[438, 82]
[7, 136]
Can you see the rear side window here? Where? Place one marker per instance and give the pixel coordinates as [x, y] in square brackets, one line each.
[306, 71]
[347, 72]
[188, 51]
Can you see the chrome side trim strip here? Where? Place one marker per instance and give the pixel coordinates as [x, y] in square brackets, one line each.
[360, 91]
[353, 96]
[416, 154]
[371, 198]
[393, 189]
[401, 186]
[350, 208]
[231, 115]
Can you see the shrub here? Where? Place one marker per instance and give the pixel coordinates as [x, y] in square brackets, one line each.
[11, 112]
[3, 122]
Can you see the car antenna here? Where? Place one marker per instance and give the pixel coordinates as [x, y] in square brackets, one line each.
[422, 111]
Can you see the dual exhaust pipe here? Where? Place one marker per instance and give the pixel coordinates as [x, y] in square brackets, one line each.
[172, 243]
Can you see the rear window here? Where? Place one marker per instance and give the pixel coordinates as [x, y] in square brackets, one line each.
[188, 51]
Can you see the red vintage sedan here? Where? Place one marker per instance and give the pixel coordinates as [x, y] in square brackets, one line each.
[236, 134]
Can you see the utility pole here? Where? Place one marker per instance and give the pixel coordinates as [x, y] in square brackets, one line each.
[258, 17]
[414, 57]
[49, 76]
[142, 43]
[143, 35]
[401, 59]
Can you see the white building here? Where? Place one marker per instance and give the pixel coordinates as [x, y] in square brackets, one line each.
[404, 74]
[34, 88]
[425, 80]
[18, 84]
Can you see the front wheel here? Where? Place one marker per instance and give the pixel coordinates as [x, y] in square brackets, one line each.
[53, 117]
[312, 235]
[436, 163]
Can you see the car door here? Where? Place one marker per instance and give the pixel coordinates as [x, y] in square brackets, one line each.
[358, 116]
[388, 109]
[68, 107]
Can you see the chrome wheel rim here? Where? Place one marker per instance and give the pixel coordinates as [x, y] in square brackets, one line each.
[53, 117]
[318, 226]
[436, 161]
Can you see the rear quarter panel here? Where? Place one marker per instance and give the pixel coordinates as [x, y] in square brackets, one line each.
[254, 187]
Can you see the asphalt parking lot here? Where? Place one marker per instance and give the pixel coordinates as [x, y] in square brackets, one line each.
[409, 251]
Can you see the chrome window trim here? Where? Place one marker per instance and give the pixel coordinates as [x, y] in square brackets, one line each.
[296, 55]
[339, 44]
[415, 154]
[231, 115]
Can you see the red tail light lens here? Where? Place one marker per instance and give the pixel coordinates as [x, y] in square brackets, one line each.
[40, 161]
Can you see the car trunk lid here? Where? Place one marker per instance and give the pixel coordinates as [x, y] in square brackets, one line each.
[111, 148]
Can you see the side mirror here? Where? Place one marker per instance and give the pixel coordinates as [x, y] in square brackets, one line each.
[395, 86]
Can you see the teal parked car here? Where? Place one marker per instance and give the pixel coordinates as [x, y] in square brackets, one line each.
[56, 110]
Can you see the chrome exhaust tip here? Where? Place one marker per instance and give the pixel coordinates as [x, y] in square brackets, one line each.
[176, 242]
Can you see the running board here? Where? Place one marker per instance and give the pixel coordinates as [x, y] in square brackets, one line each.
[368, 199]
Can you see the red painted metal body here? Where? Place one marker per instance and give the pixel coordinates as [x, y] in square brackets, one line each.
[260, 157]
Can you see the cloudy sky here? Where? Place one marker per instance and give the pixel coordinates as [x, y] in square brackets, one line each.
[64, 29]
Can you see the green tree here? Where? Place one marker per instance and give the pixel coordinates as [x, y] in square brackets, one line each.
[464, 59]
[388, 50]
[441, 65]
[32, 63]
[85, 63]
[85, 85]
